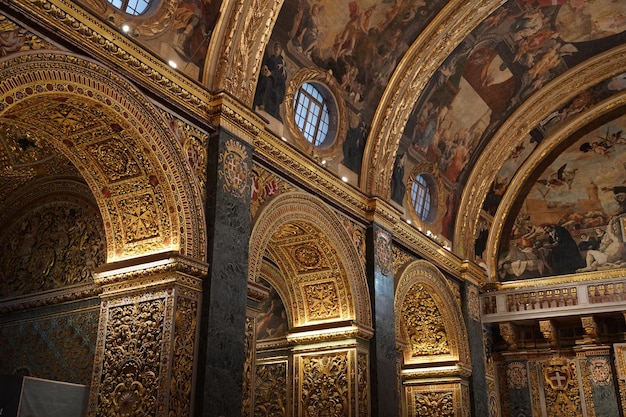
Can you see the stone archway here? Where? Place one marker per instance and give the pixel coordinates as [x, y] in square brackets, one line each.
[121, 145]
[303, 250]
[434, 342]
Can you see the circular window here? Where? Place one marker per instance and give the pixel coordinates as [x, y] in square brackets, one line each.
[311, 113]
[132, 7]
[315, 114]
[423, 197]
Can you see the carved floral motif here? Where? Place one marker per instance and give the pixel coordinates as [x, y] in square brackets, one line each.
[424, 323]
[132, 360]
[434, 404]
[270, 393]
[185, 323]
[322, 301]
[325, 386]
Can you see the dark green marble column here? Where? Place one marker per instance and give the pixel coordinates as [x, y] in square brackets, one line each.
[383, 353]
[222, 332]
[478, 382]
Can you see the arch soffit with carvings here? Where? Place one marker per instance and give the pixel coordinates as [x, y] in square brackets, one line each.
[121, 145]
[304, 211]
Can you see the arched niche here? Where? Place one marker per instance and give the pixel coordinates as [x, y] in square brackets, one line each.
[122, 146]
[429, 323]
[319, 262]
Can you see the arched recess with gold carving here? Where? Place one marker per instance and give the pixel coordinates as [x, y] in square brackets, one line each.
[122, 146]
[429, 323]
[324, 275]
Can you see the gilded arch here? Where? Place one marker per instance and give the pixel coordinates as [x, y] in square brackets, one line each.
[423, 285]
[123, 147]
[301, 227]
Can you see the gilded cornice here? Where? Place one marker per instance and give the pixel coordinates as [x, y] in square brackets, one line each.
[436, 373]
[250, 24]
[151, 270]
[230, 114]
[382, 213]
[425, 247]
[446, 31]
[282, 157]
[550, 98]
[594, 277]
[58, 296]
[76, 24]
[332, 332]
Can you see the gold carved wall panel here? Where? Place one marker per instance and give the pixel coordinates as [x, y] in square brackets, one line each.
[271, 390]
[442, 400]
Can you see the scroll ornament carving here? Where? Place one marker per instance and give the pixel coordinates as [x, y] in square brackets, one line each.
[182, 360]
[562, 391]
[384, 253]
[140, 218]
[363, 384]
[115, 159]
[424, 324]
[434, 404]
[265, 185]
[131, 368]
[248, 367]
[270, 393]
[325, 385]
[54, 246]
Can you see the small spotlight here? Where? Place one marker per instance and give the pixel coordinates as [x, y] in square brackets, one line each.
[344, 179]
[284, 139]
[323, 162]
[125, 28]
[408, 221]
[172, 64]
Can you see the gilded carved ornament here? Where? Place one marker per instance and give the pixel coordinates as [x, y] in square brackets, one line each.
[303, 209]
[550, 98]
[446, 335]
[84, 83]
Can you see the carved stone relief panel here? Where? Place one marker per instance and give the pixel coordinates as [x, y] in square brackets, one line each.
[52, 246]
[325, 384]
[270, 391]
[58, 347]
[444, 400]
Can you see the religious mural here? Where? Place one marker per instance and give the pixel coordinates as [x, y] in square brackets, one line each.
[272, 320]
[179, 31]
[573, 218]
[358, 42]
[511, 55]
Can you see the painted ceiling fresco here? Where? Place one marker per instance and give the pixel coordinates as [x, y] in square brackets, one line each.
[573, 219]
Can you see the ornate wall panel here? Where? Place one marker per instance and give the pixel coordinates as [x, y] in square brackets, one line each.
[55, 346]
[147, 342]
[445, 400]
[427, 316]
[329, 384]
[271, 390]
[52, 246]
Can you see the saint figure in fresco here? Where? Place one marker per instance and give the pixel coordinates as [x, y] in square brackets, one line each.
[193, 22]
[564, 256]
[397, 179]
[272, 84]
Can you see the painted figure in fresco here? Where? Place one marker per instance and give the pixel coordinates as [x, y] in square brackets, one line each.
[564, 257]
[611, 249]
[354, 145]
[357, 26]
[397, 179]
[272, 84]
[307, 34]
[272, 321]
[193, 23]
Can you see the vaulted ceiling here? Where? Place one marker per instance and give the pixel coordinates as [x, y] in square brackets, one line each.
[511, 111]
